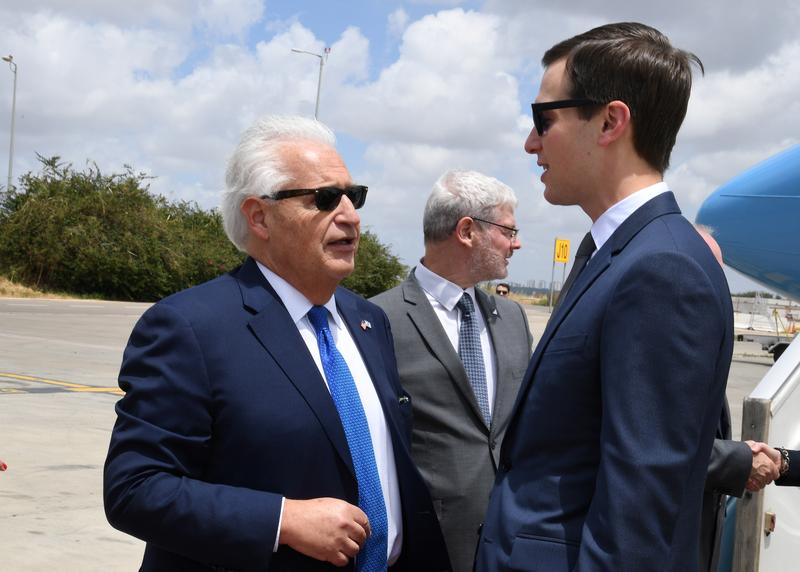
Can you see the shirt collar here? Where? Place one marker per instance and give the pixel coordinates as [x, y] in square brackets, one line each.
[296, 304]
[609, 221]
[443, 291]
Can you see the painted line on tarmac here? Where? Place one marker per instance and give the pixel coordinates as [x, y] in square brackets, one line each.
[67, 386]
[61, 342]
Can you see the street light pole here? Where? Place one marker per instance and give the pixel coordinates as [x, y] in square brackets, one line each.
[322, 59]
[10, 59]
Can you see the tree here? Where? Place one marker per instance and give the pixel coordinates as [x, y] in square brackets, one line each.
[377, 269]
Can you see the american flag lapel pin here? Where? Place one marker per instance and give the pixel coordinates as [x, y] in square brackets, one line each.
[365, 325]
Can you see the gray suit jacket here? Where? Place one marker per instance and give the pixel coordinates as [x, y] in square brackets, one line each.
[451, 444]
[728, 471]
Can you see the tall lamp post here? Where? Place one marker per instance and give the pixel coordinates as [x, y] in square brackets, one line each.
[322, 57]
[10, 59]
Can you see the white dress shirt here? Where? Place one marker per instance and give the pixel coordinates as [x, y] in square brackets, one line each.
[443, 296]
[609, 221]
[298, 306]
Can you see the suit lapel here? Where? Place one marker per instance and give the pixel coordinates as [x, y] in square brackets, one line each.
[430, 329]
[367, 340]
[658, 206]
[277, 333]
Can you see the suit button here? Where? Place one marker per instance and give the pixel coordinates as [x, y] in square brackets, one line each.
[493, 444]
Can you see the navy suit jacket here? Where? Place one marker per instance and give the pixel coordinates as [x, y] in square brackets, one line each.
[225, 412]
[605, 457]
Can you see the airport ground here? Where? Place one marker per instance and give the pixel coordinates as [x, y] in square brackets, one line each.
[58, 365]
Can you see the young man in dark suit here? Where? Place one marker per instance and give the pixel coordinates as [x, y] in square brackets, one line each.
[605, 457]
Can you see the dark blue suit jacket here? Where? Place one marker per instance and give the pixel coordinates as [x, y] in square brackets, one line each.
[604, 461]
[225, 412]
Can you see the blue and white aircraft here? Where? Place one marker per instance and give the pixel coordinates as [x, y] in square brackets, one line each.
[756, 221]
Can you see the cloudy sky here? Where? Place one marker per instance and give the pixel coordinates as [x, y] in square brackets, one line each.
[411, 87]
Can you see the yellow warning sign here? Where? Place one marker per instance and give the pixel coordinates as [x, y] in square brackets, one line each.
[562, 251]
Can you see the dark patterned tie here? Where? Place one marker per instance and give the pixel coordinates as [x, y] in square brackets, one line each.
[471, 354]
[583, 255]
[372, 557]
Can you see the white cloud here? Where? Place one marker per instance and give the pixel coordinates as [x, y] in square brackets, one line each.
[748, 107]
[724, 33]
[230, 17]
[162, 13]
[446, 3]
[444, 89]
[111, 94]
[396, 23]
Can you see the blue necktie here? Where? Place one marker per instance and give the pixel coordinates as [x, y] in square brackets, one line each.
[372, 556]
[471, 354]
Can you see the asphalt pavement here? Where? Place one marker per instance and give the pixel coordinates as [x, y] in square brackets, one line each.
[59, 361]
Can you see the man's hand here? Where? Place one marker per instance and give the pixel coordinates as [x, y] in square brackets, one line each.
[326, 529]
[766, 466]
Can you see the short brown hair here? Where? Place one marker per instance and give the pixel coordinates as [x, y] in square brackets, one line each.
[635, 64]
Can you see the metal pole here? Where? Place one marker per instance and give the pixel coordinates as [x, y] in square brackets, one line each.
[552, 279]
[319, 79]
[319, 87]
[13, 66]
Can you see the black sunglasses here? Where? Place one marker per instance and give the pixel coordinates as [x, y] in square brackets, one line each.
[540, 121]
[326, 198]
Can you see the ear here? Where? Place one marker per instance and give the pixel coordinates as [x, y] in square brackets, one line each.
[465, 231]
[254, 211]
[616, 122]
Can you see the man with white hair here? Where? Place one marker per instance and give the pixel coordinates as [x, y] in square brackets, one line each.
[263, 426]
[461, 353]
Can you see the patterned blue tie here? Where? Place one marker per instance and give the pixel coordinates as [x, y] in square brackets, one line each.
[372, 556]
[471, 354]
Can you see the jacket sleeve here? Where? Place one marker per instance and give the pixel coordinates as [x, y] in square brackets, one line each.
[792, 476]
[729, 467]
[154, 487]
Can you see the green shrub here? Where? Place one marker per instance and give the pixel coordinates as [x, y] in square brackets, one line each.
[108, 236]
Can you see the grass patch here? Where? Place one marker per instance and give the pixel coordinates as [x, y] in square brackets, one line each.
[9, 289]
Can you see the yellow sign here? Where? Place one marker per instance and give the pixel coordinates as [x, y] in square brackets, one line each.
[562, 251]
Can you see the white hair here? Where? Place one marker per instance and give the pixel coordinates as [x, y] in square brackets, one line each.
[463, 193]
[256, 167]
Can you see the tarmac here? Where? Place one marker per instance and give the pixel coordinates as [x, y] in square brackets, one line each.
[58, 365]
